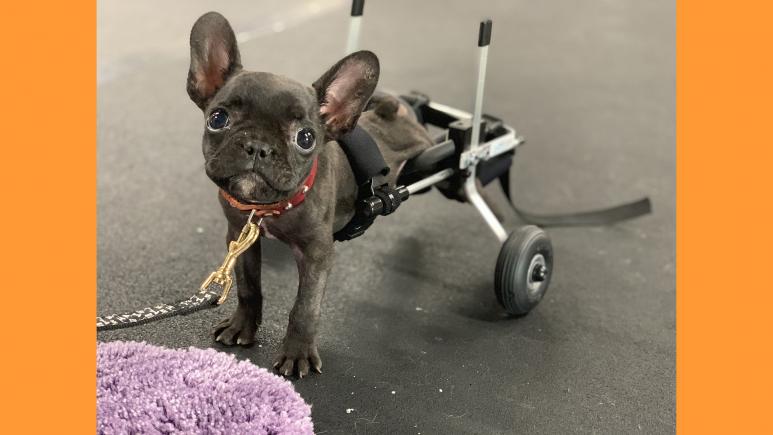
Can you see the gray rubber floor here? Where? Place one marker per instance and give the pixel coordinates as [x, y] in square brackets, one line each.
[413, 340]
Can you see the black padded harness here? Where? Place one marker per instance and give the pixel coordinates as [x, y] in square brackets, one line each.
[363, 154]
[366, 162]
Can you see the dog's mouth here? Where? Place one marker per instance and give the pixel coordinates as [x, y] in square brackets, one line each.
[252, 188]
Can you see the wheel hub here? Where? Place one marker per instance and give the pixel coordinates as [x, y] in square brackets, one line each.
[538, 273]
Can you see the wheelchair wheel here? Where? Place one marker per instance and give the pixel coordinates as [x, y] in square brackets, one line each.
[524, 268]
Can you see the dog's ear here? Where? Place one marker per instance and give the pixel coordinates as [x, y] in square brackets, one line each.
[214, 57]
[344, 90]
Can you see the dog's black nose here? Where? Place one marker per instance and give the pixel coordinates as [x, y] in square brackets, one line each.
[250, 148]
[254, 147]
[263, 151]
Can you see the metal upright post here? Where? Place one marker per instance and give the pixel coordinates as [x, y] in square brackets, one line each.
[470, 185]
[484, 39]
[355, 22]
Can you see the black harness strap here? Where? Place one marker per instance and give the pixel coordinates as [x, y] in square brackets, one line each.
[367, 162]
[364, 156]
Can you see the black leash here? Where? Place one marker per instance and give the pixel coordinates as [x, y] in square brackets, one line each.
[199, 301]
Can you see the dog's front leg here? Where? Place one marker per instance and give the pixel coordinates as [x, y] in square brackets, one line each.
[299, 347]
[241, 327]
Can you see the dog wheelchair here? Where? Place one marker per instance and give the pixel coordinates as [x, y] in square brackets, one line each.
[472, 150]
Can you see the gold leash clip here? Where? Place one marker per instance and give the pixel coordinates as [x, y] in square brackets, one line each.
[222, 275]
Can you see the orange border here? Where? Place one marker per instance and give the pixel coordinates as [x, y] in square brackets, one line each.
[724, 167]
[724, 359]
[49, 217]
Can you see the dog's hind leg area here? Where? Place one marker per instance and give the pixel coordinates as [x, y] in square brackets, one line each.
[385, 105]
[241, 327]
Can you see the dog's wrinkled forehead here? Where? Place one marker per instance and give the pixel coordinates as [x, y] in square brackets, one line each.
[268, 95]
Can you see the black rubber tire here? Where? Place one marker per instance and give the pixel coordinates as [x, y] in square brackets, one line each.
[511, 277]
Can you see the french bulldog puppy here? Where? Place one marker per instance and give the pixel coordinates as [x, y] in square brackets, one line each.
[262, 134]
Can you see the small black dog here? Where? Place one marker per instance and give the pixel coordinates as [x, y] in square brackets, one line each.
[264, 134]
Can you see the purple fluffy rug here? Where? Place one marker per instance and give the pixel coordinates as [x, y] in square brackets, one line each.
[149, 389]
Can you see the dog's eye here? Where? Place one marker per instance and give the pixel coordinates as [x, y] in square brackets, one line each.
[217, 120]
[305, 138]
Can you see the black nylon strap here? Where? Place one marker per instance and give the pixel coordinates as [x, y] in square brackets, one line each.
[593, 217]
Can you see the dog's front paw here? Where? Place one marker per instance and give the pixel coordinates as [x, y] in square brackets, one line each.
[239, 329]
[297, 355]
